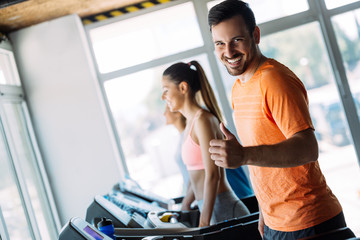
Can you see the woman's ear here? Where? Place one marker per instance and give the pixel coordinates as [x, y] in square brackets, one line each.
[183, 87]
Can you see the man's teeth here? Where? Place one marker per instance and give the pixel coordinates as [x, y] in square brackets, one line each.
[233, 60]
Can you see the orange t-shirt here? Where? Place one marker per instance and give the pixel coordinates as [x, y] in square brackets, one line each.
[269, 108]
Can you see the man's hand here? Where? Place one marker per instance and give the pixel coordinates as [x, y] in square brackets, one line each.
[226, 153]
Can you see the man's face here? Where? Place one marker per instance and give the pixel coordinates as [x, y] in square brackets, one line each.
[234, 46]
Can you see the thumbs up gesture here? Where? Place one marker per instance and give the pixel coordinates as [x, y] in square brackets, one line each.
[228, 152]
[228, 135]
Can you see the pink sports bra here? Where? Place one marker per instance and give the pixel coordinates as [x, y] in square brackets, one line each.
[190, 151]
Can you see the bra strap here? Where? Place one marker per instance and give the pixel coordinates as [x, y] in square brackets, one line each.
[195, 117]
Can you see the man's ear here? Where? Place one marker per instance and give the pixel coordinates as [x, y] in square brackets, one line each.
[256, 34]
[183, 87]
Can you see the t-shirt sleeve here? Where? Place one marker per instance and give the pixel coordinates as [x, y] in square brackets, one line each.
[285, 101]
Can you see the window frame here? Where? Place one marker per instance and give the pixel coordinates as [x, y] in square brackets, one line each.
[317, 12]
[14, 94]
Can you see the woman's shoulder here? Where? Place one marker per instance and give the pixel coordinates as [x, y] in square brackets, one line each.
[207, 120]
[207, 126]
[205, 115]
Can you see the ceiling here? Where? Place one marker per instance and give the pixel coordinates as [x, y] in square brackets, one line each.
[30, 12]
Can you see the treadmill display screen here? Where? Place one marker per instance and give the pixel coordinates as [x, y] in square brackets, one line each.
[92, 233]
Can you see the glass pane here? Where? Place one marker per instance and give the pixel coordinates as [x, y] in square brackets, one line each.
[303, 51]
[10, 200]
[347, 30]
[149, 145]
[8, 69]
[330, 4]
[269, 10]
[147, 37]
[24, 153]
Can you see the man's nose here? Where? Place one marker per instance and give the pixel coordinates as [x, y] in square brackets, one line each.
[229, 51]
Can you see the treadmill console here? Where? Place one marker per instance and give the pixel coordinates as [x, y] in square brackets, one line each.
[127, 205]
[124, 210]
[78, 229]
[131, 187]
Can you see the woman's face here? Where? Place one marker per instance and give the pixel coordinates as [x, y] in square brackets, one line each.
[171, 94]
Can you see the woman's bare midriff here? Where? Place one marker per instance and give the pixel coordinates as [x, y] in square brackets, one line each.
[197, 178]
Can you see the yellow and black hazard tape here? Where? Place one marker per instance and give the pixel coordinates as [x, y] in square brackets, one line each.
[121, 11]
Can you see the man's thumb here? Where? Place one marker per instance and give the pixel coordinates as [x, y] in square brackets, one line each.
[226, 132]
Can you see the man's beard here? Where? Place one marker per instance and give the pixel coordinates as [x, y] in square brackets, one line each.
[235, 71]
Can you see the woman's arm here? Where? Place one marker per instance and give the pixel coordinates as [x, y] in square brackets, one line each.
[261, 223]
[188, 199]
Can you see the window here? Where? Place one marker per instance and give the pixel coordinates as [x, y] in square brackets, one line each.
[11, 202]
[7, 75]
[347, 29]
[24, 199]
[147, 37]
[269, 10]
[296, 41]
[14, 113]
[148, 144]
[330, 4]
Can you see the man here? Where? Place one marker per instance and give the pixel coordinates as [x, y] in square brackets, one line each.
[274, 125]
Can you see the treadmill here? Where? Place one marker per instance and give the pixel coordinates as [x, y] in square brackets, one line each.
[245, 228]
[137, 214]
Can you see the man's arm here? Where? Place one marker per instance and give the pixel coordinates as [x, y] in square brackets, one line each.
[299, 149]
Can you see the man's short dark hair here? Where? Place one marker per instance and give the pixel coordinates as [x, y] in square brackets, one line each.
[230, 8]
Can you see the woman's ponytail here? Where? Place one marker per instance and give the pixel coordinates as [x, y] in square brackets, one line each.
[207, 94]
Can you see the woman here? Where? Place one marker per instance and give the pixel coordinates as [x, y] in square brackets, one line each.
[180, 83]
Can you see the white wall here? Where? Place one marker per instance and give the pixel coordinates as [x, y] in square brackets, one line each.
[68, 112]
